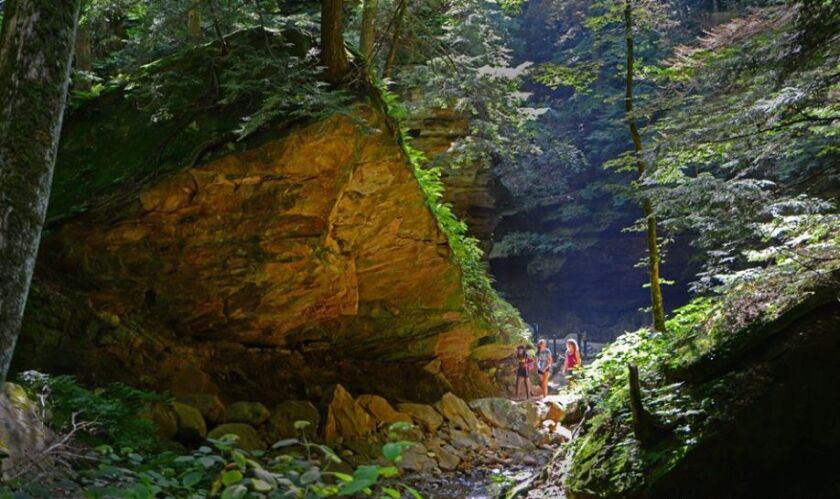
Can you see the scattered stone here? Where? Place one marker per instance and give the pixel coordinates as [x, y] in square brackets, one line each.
[281, 423]
[425, 415]
[446, 455]
[508, 439]
[555, 412]
[209, 405]
[573, 415]
[246, 436]
[252, 413]
[457, 412]
[163, 417]
[416, 458]
[191, 425]
[381, 410]
[345, 417]
[462, 440]
[522, 417]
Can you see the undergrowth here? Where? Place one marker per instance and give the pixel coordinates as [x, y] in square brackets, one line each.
[117, 456]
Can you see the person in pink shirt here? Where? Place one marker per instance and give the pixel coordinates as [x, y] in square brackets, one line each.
[573, 359]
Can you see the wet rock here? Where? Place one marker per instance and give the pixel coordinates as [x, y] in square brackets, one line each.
[209, 405]
[281, 423]
[381, 410]
[457, 412]
[507, 439]
[252, 413]
[425, 415]
[163, 417]
[345, 417]
[191, 425]
[246, 436]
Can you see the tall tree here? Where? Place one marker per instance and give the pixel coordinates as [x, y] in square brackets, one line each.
[399, 15]
[36, 47]
[367, 36]
[657, 308]
[333, 53]
[194, 23]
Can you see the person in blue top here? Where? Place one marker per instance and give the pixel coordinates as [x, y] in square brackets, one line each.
[544, 361]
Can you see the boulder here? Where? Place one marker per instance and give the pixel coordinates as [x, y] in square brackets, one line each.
[345, 417]
[425, 415]
[191, 425]
[252, 413]
[163, 417]
[457, 412]
[573, 415]
[281, 423]
[445, 455]
[246, 436]
[22, 434]
[463, 440]
[381, 410]
[507, 439]
[555, 412]
[209, 405]
[416, 458]
[521, 417]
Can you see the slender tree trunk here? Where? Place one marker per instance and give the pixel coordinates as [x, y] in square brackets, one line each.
[84, 57]
[36, 48]
[333, 53]
[194, 23]
[399, 15]
[646, 428]
[657, 308]
[368, 33]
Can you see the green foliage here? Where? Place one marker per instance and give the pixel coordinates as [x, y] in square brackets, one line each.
[112, 410]
[222, 470]
[482, 300]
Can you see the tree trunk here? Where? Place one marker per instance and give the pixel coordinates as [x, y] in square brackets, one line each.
[657, 308]
[194, 23]
[646, 428]
[84, 58]
[368, 32]
[36, 48]
[395, 39]
[333, 53]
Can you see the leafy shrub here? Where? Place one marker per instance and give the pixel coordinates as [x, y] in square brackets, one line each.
[296, 469]
[113, 410]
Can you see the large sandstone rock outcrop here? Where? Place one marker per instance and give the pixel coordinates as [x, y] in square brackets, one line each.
[266, 269]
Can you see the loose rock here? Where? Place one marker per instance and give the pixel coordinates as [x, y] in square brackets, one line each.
[381, 410]
[345, 417]
[425, 415]
[252, 413]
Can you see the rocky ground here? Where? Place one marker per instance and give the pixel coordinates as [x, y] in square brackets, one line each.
[460, 449]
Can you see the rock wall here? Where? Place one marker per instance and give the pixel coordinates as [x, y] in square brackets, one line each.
[267, 273]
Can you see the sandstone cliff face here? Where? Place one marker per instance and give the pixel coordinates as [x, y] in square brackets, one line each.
[267, 273]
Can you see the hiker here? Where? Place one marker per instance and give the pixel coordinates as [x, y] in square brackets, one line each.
[544, 361]
[523, 367]
[573, 359]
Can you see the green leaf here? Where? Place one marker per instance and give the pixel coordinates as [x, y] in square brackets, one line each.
[261, 485]
[363, 477]
[412, 492]
[301, 425]
[288, 442]
[393, 450]
[389, 471]
[192, 478]
[231, 477]
[234, 492]
[393, 493]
